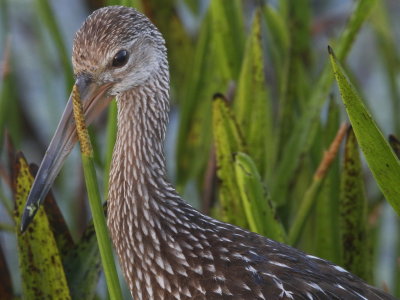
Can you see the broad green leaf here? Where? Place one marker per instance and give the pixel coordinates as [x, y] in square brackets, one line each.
[252, 105]
[380, 158]
[304, 131]
[258, 209]
[228, 141]
[195, 125]
[355, 248]
[42, 272]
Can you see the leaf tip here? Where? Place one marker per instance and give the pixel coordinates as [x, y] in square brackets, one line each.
[393, 139]
[218, 96]
[330, 50]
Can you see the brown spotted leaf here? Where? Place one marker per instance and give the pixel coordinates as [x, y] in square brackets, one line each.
[41, 269]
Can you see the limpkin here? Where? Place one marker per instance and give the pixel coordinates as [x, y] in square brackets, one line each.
[166, 248]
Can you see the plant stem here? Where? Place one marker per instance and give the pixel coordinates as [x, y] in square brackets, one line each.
[96, 208]
[311, 194]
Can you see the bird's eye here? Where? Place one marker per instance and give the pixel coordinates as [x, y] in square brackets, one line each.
[120, 58]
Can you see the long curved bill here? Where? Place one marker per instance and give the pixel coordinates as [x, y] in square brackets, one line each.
[94, 100]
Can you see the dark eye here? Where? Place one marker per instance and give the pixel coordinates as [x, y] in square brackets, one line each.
[120, 58]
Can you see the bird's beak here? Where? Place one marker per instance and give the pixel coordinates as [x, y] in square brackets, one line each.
[94, 100]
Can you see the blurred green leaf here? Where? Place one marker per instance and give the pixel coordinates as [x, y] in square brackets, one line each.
[295, 87]
[381, 160]
[279, 41]
[355, 248]
[194, 136]
[386, 42]
[47, 15]
[164, 14]
[304, 131]
[228, 36]
[10, 119]
[252, 105]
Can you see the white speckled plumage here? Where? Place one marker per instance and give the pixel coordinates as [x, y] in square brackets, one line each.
[167, 249]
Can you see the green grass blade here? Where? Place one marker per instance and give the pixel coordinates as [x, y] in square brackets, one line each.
[353, 213]
[295, 86]
[258, 209]
[279, 41]
[48, 17]
[380, 157]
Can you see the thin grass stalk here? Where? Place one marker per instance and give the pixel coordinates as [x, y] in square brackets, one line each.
[311, 194]
[4, 89]
[96, 207]
[48, 17]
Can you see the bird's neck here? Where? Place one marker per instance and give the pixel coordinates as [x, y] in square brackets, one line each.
[141, 201]
[138, 164]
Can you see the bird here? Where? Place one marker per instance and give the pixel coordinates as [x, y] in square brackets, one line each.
[166, 248]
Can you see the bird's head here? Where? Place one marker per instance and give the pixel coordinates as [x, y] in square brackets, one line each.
[115, 50]
[119, 46]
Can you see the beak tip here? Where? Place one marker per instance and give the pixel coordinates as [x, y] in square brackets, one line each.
[23, 227]
[25, 221]
[28, 215]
